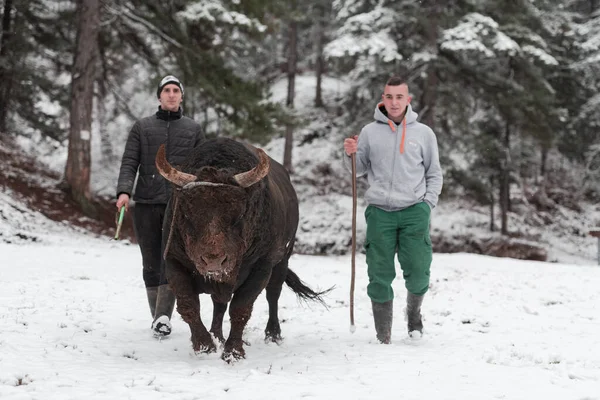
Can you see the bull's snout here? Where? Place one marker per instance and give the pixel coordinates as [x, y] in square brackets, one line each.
[214, 263]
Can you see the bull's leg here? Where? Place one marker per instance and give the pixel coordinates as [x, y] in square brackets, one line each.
[273, 330]
[240, 310]
[188, 306]
[216, 327]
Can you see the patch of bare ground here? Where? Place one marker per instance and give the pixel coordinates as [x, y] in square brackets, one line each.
[38, 188]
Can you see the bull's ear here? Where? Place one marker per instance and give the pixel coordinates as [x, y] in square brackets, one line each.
[249, 178]
[168, 172]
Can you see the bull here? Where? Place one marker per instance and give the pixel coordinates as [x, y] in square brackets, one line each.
[229, 231]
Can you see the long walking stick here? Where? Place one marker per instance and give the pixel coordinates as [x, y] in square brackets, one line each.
[353, 278]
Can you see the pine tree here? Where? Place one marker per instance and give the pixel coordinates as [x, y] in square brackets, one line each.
[34, 54]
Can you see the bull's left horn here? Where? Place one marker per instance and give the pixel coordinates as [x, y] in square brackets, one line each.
[249, 178]
[171, 174]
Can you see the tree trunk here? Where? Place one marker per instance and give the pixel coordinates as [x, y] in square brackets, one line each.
[505, 182]
[292, 61]
[6, 23]
[5, 80]
[106, 147]
[492, 204]
[77, 170]
[544, 161]
[321, 15]
[503, 206]
[429, 97]
[291, 73]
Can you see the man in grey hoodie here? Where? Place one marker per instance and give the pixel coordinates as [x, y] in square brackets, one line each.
[400, 157]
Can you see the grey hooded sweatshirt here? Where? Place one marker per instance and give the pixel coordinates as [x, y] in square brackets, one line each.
[399, 174]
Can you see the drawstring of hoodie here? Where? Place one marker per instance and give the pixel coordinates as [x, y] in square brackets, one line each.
[391, 124]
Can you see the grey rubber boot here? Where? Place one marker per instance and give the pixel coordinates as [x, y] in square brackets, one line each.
[152, 293]
[383, 315]
[413, 315]
[165, 303]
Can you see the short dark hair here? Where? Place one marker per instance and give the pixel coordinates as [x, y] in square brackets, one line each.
[396, 80]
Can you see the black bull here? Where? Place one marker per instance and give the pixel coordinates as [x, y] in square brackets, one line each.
[229, 231]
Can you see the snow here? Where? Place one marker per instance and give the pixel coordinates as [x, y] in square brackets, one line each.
[214, 11]
[540, 55]
[380, 43]
[74, 321]
[467, 34]
[74, 324]
[591, 30]
[22, 225]
[423, 56]
[481, 34]
[366, 33]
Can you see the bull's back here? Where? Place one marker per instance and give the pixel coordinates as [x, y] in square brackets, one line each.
[284, 201]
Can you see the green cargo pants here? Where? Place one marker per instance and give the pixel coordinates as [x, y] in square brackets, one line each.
[407, 233]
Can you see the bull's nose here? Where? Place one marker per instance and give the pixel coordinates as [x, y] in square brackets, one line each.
[214, 262]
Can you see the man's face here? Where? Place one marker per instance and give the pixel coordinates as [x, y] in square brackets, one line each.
[170, 97]
[395, 100]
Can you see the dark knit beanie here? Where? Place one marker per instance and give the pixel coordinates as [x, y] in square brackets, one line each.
[167, 80]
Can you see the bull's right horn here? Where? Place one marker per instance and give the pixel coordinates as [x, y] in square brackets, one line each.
[249, 178]
[171, 174]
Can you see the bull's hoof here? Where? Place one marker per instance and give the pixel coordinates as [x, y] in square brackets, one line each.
[273, 331]
[273, 338]
[233, 356]
[205, 349]
[233, 350]
[204, 346]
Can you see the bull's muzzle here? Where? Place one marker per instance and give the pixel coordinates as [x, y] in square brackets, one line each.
[214, 263]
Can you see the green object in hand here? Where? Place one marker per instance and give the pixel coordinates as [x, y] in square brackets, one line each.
[120, 222]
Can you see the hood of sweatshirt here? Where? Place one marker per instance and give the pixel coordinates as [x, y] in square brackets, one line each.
[380, 115]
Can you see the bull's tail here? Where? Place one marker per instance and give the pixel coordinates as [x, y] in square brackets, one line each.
[304, 292]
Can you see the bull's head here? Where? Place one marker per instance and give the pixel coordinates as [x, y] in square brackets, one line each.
[211, 215]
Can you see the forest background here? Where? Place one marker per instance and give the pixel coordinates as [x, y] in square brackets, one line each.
[509, 87]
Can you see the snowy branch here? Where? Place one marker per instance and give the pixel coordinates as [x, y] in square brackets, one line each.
[125, 11]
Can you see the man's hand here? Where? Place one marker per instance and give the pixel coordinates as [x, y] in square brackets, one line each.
[123, 200]
[351, 144]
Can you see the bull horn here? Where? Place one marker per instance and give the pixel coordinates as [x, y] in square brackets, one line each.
[249, 178]
[168, 172]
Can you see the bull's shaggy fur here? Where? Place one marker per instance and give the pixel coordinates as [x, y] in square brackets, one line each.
[230, 241]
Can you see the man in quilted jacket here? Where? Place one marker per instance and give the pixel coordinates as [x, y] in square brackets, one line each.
[180, 135]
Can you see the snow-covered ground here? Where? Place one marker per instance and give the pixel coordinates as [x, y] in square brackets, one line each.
[74, 324]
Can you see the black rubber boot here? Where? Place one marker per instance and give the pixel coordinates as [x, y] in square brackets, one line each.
[383, 314]
[165, 303]
[413, 315]
[152, 293]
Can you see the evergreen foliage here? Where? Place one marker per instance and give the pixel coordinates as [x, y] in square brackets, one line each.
[508, 86]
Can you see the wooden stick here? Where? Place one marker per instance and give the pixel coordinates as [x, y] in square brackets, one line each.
[353, 275]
